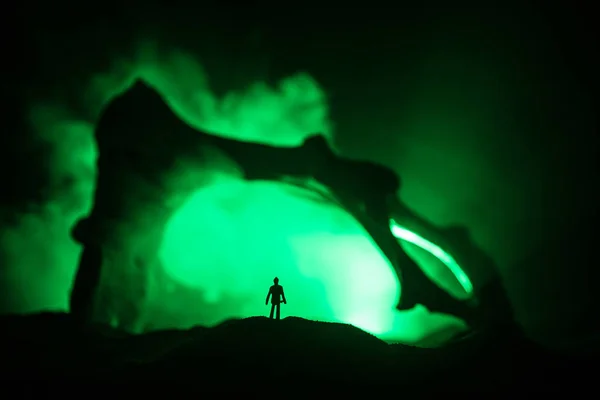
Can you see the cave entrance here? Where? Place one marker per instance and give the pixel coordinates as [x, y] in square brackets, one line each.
[229, 240]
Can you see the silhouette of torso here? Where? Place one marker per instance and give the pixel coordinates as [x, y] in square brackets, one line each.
[276, 291]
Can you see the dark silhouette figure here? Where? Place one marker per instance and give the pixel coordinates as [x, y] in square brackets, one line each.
[276, 294]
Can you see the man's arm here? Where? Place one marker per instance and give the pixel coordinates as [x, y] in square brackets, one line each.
[283, 296]
[268, 296]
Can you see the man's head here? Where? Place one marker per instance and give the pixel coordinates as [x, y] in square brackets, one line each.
[276, 280]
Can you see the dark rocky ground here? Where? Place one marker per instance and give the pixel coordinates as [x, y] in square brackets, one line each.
[257, 353]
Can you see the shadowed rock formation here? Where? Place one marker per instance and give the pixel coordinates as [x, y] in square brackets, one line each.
[141, 141]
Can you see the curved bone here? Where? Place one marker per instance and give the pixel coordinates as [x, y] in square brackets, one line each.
[139, 132]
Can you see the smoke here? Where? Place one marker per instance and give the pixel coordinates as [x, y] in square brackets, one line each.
[37, 254]
[472, 111]
[332, 269]
[279, 116]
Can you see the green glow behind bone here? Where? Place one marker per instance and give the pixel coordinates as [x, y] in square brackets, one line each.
[231, 238]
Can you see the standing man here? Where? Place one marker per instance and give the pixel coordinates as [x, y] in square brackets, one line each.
[276, 295]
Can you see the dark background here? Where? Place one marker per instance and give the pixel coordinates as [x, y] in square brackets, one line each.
[524, 71]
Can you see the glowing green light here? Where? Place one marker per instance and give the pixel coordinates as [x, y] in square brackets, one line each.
[230, 238]
[411, 237]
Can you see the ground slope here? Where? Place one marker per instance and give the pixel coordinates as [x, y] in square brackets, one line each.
[255, 353]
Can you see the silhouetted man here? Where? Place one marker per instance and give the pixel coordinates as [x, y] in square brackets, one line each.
[276, 295]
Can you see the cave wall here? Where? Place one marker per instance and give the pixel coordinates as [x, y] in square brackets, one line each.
[148, 166]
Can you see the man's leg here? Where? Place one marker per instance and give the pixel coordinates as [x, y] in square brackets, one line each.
[272, 308]
[278, 310]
